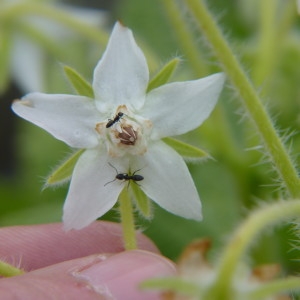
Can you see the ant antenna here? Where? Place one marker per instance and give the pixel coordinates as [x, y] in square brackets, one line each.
[113, 168]
[115, 177]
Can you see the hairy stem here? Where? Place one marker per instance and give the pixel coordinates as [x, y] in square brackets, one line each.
[57, 15]
[272, 288]
[249, 96]
[185, 37]
[127, 220]
[244, 237]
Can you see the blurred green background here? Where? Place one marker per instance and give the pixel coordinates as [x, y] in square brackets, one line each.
[239, 175]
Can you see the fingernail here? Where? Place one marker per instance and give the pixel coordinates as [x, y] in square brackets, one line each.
[118, 277]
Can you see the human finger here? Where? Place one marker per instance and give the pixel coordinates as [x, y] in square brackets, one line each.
[103, 277]
[38, 246]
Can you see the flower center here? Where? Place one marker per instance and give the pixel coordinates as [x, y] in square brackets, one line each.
[128, 136]
[125, 133]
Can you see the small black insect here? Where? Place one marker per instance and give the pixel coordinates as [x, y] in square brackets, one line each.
[116, 119]
[126, 176]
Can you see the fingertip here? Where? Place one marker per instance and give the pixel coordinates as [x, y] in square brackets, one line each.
[111, 276]
[39, 246]
[120, 275]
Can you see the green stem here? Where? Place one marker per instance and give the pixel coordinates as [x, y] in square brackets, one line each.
[7, 270]
[95, 34]
[185, 37]
[288, 17]
[50, 12]
[244, 237]
[275, 287]
[255, 108]
[127, 220]
[41, 39]
[267, 53]
[274, 29]
[5, 57]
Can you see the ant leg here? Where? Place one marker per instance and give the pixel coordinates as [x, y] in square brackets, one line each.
[128, 184]
[110, 182]
[138, 170]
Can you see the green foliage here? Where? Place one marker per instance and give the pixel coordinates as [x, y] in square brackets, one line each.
[142, 202]
[5, 56]
[63, 172]
[177, 285]
[81, 86]
[164, 75]
[189, 152]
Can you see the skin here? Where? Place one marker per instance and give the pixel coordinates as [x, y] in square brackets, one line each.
[85, 264]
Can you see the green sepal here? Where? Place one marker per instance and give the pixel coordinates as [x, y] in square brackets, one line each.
[5, 50]
[81, 86]
[164, 74]
[63, 172]
[187, 151]
[142, 202]
[8, 270]
[174, 284]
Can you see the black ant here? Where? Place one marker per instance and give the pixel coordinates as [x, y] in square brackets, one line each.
[116, 119]
[126, 176]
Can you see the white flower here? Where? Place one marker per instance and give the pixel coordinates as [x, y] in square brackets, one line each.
[134, 141]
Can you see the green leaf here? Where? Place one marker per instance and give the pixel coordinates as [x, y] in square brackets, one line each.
[63, 172]
[142, 202]
[5, 50]
[81, 86]
[164, 74]
[174, 284]
[188, 151]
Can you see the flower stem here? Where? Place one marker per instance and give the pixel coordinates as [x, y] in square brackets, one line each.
[43, 40]
[243, 238]
[274, 27]
[275, 287]
[5, 57]
[266, 56]
[7, 270]
[58, 15]
[254, 106]
[184, 35]
[127, 219]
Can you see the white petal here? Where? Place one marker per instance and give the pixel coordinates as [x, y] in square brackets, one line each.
[121, 76]
[88, 197]
[179, 107]
[168, 182]
[71, 119]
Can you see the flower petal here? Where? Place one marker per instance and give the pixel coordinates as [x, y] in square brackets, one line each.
[71, 119]
[179, 107]
[90, 194]
[121, 76]
[167, 181]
